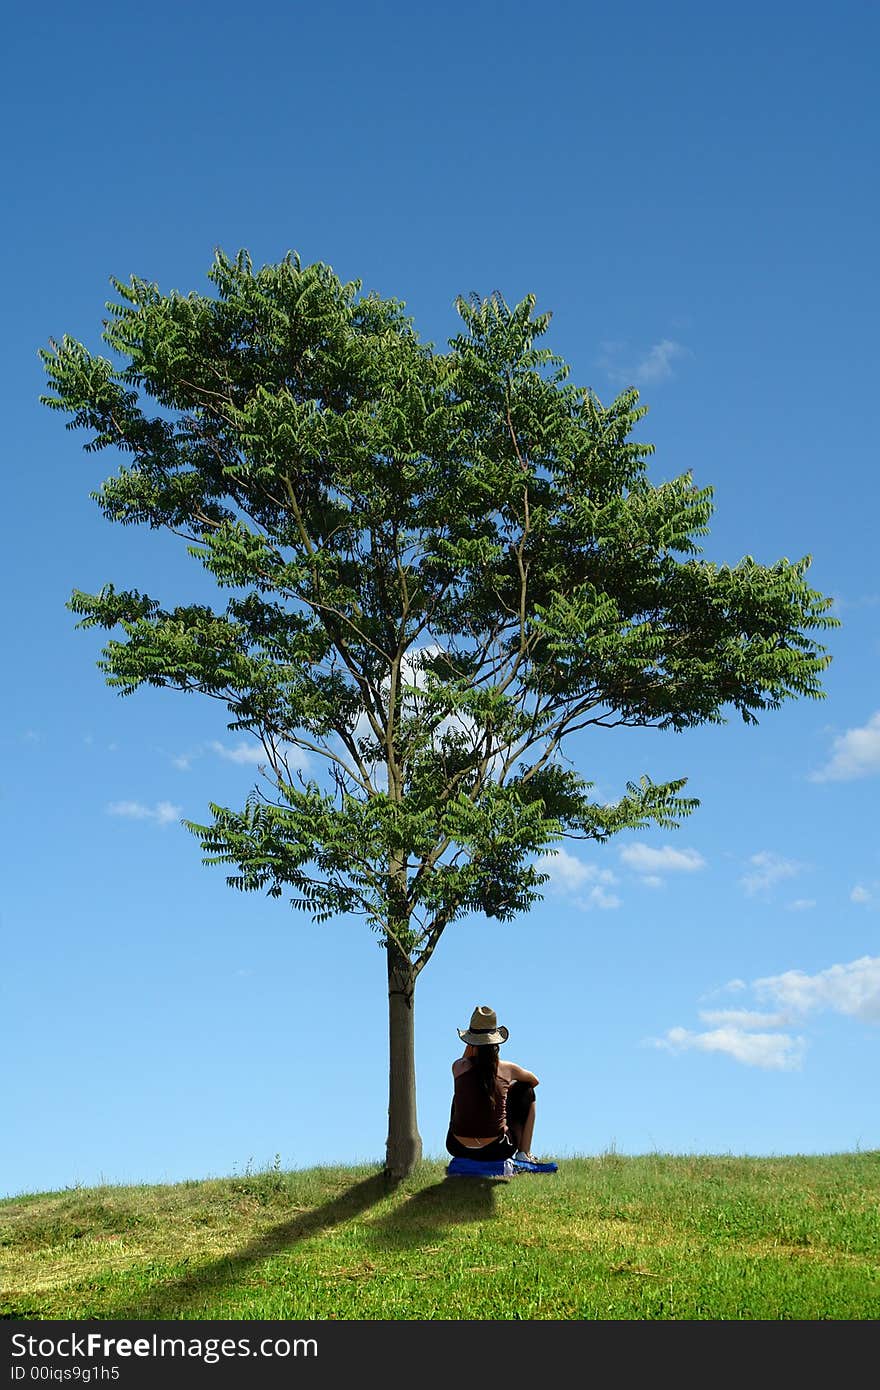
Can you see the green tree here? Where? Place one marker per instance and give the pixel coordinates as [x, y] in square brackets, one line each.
[440, 565]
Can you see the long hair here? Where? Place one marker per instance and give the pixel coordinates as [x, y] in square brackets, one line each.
[486, 1066]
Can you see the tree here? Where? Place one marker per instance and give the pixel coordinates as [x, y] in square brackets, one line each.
[441, 565]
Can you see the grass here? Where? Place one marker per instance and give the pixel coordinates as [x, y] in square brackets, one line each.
[612, 1237]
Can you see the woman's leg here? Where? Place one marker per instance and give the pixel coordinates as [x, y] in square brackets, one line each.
[524, 1143]
[521, 1115]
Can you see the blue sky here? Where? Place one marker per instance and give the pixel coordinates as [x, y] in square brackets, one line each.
[692, 190]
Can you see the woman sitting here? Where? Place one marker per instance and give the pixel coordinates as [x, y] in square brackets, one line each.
[493, 1106]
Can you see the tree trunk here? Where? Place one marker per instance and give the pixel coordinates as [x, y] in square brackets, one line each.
[404, 1147]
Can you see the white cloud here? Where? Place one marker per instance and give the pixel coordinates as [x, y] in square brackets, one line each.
[652, 881]
[565, 870]
[597, 897]
[243, 752]
[800, 905]
[643, 859]
[768, 869]
[163, 813]
[747, 1019]
[254, 754]
[414, 676]
[855, 753]
[852, 989]
[656, 365]
[770, 1051]
[653, 366]
[568, 873]
[183, 762]
[860, 894]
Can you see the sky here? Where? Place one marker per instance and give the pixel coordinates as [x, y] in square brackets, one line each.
[692, 191]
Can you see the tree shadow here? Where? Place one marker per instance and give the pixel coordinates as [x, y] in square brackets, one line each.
[427, 1213]
[167, 1301]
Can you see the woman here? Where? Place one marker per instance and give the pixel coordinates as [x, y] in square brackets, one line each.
[493, 1107]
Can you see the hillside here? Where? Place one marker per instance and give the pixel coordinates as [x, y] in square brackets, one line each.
[611, 1237]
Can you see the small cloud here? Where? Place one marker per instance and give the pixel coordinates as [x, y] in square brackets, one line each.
[855, 753]
[654, 365]
[800, 905]
[768, 869]
[135, 809]
[568, 873]
[163, 813]
[183, 762]
[242, 752]
[852, 989]
[731, 987]
[747, 1019]
[860, 894]
[255, 754]
[770, 1051]
[597, 897]
[649, 863]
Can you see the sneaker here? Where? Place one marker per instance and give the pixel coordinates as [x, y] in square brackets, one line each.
[524, 1163]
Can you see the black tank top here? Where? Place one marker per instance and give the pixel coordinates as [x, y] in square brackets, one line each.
[476, 1115]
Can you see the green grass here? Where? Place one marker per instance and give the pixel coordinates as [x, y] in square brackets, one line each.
[653, 1237]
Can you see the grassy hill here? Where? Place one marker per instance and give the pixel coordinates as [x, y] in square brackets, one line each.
[653, 1237]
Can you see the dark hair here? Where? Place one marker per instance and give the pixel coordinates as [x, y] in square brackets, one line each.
[486, 1066]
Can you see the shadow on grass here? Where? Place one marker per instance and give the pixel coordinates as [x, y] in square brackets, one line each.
[170, 1299]
[426, 1214]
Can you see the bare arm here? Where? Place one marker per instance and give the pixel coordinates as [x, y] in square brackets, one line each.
[520, 1074]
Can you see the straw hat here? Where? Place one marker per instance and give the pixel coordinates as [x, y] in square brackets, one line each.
[484, 1028]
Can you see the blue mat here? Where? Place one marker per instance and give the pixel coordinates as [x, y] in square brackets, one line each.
[501, 1168]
